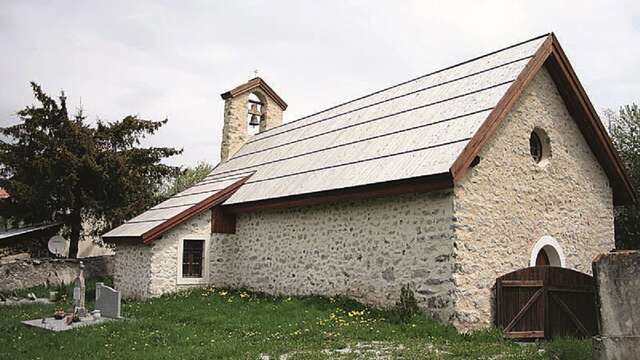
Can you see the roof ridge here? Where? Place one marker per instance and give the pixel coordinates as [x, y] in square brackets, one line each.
[393, 98]
[436, 122]
[407, 81]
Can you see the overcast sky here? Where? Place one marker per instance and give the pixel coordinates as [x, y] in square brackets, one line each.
[173, 59]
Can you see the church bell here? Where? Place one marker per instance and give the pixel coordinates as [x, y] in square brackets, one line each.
[255, 115]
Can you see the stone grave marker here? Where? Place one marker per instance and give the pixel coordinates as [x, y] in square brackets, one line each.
[79, 292]
[108, 301]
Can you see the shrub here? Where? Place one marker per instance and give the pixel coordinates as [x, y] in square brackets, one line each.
[406, 307]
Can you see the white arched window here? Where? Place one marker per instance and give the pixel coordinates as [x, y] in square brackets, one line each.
[547, 251]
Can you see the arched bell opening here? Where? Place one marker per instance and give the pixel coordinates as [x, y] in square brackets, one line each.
[256, 113]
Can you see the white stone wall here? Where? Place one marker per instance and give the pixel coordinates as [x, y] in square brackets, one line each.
[366, 249]
[450, 246]
[508, 202]
[164, 265]
[132, 270]
[151, 270]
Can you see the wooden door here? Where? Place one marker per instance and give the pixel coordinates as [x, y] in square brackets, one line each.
[546, 302]
[542, 259]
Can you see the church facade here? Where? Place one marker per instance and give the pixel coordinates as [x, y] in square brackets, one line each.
[443, 183]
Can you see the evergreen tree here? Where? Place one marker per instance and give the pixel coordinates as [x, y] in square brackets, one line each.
[59, 168]
[624, 128]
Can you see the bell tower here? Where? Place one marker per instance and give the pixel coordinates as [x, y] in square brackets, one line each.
[250, 108]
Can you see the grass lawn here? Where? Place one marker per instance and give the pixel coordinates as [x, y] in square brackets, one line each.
[224, 324]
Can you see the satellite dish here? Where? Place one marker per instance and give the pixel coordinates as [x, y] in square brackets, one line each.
[57, 245]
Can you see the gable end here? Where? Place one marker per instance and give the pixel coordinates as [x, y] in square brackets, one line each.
[551, 55]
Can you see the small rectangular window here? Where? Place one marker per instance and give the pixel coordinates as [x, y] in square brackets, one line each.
[192, 258]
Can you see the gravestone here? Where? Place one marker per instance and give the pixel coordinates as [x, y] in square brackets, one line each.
[79, 293]
[107, 301]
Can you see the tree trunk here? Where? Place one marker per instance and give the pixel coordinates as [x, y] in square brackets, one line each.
[76, 226]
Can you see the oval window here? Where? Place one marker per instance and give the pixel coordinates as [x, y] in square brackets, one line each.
[539, 146]
[535, 146]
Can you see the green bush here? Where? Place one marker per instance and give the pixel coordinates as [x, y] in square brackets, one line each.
[406, 307]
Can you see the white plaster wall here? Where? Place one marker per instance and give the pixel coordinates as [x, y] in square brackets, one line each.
[505, 204]
[364, 249]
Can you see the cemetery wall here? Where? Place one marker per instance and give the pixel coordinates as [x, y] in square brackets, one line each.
[618, 294]
[25, 273]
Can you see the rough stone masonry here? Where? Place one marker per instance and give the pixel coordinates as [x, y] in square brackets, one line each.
[449, 246]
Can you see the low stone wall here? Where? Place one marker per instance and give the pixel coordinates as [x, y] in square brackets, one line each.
[618, 285]
[25, 273]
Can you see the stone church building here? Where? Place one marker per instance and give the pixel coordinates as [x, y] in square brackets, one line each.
[443, 182]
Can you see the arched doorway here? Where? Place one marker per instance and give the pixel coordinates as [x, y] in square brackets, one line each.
[542, 259]
[547, 251]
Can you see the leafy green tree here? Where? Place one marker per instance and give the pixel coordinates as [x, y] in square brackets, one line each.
[624, 128]
[186, 179]
[58, 168]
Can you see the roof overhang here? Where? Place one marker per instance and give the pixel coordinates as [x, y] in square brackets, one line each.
[389, 188]
[29, 231]
[551, 55]
[251, 85]
[150, 235]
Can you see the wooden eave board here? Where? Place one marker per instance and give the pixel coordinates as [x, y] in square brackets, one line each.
[172, 207]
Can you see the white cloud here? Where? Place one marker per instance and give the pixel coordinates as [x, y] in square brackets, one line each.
[173, 59]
